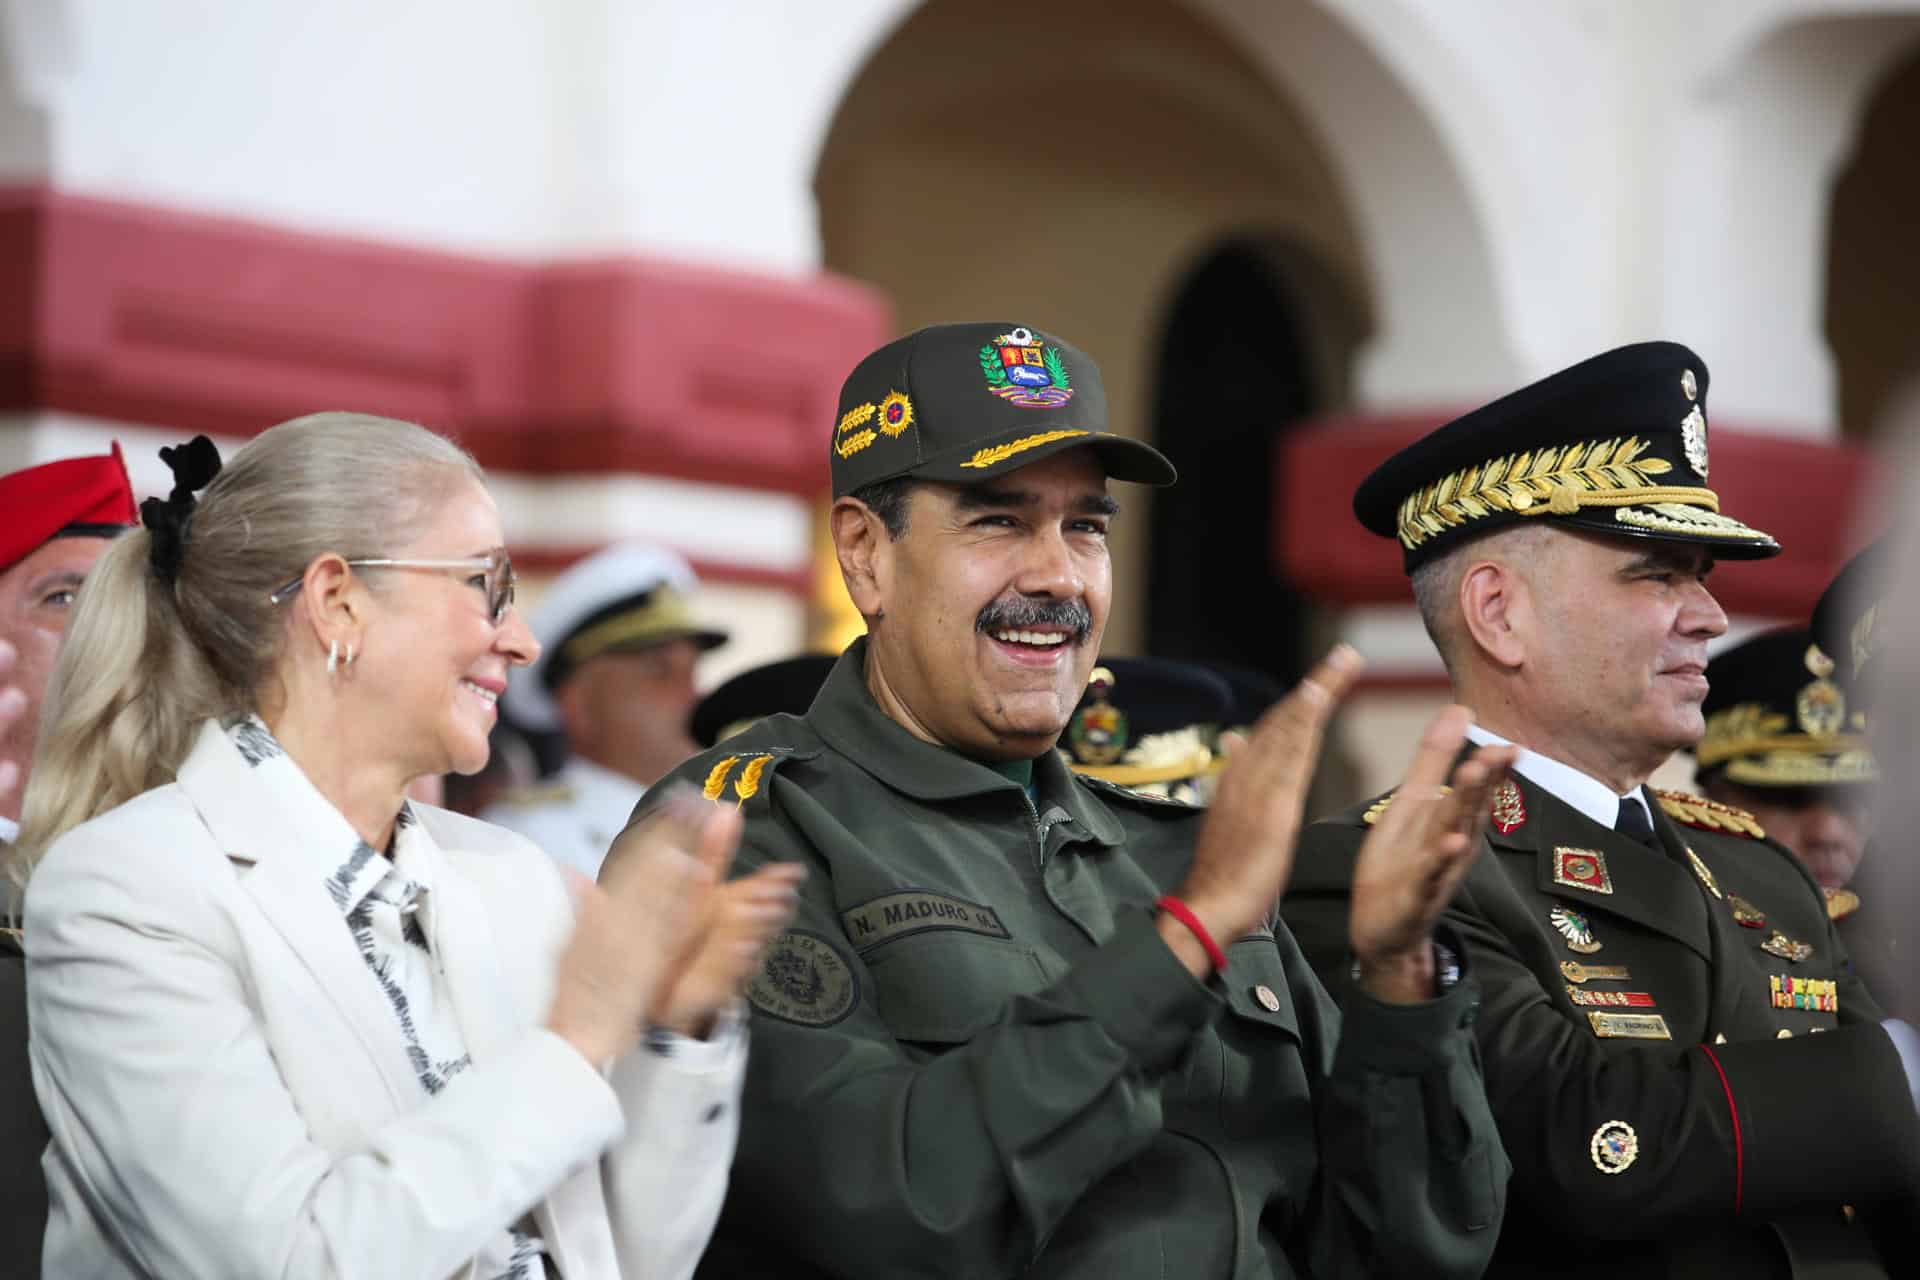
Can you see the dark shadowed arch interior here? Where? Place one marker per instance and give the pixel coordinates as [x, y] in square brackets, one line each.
[1873, 256]
[1235, 369]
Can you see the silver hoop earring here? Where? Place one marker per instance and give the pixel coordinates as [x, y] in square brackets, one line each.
[333, 657]
[349, 655]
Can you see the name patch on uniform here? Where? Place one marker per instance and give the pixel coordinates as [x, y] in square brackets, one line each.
[1629, 1026]
[910, 911]
[804, 979]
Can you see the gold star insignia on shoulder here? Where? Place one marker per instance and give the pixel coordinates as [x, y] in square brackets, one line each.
[1710, 815]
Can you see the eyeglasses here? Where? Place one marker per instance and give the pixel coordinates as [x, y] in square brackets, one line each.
[496, 566]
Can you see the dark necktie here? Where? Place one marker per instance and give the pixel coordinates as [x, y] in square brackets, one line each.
[1632, 821]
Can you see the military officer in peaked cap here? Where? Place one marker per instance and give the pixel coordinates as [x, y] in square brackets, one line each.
[1150, 724]
[618, 643]
[55, 520]
[1859, 622]
[1786, 743]
[1033, 1022]
[1686, 1076]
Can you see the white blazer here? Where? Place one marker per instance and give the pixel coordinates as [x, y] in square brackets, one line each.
[229, 1093]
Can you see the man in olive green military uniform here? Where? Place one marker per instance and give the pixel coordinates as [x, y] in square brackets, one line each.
[1031, 1023]
[1654, 968]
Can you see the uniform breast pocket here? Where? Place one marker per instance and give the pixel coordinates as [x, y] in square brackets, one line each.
[943, 988]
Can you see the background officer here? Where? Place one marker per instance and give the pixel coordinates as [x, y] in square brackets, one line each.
[1652, 965]
[55, 520]
[618, 644]
[1786, 743]
[1151, 725]
[1030, 1022]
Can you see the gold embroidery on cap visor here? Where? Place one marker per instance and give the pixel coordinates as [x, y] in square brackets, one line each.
[1561, 481]
[1690, 521]
[1757, 745]
[1001, 452]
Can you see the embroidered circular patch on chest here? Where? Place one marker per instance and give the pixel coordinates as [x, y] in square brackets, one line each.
[804, 979]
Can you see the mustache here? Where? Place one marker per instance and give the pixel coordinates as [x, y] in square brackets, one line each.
[1020, 614]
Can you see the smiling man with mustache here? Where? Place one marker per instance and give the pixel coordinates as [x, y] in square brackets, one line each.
[1032, 1023]
[1655, 967]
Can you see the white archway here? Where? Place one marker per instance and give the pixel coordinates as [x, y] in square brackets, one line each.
[1757, 153]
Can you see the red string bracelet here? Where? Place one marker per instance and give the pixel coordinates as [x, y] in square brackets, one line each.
[1184, 914]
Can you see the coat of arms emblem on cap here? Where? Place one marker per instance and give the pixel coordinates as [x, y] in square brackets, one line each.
[1022, 370]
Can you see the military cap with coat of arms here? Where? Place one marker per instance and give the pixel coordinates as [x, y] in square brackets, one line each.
[1147, 720]
[959, 403]
[1776, 717]
[73, 497]
[1614, 445]
[1847, 618]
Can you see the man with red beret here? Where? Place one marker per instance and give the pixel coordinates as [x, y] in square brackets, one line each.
[55, 520]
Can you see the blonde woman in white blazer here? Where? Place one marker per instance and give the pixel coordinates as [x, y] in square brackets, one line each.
[284, 1023]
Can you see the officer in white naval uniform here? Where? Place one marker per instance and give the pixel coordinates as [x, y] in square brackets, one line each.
[615, 674]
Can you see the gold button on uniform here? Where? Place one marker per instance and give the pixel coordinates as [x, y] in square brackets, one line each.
[1268, 1001]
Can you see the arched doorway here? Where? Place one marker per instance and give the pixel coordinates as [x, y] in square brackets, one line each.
[1248, 347]
[977, 176]
[1873, 257]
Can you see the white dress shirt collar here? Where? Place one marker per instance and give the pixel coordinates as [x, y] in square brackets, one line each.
[1580, 790]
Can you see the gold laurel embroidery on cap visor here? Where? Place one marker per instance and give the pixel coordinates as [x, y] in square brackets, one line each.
[1001, 452]
[855, 443]
[858, 416]
[1799, 769]
[1555, 481]
[1691, 521]
[896, 414]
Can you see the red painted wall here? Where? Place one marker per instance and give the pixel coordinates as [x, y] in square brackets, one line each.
[203, 323]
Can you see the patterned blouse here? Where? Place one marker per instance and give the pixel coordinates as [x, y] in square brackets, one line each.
[387, 904]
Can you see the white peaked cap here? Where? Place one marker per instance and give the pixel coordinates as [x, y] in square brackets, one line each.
[628, 571]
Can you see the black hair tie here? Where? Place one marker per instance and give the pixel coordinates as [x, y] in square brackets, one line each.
[194, 465]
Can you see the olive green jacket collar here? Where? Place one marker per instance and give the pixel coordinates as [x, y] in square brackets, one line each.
[847, 719]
